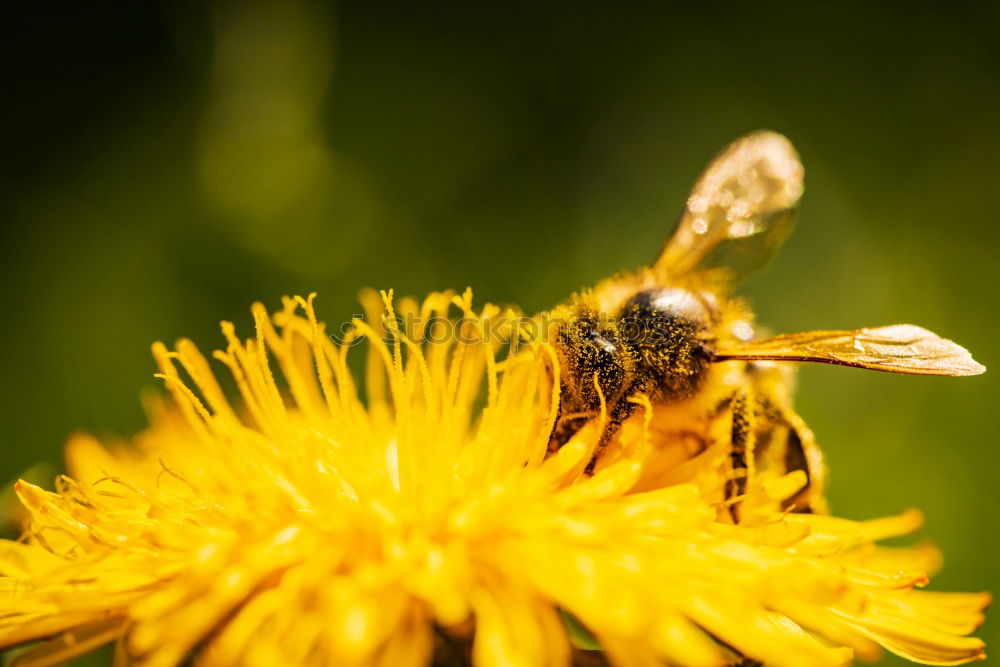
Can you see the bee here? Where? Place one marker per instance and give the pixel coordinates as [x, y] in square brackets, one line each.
[674, 334]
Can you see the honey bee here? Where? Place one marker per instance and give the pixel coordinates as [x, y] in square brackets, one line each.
[674, 333]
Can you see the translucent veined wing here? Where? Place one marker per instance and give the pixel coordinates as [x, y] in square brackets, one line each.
[740, 210]
[900, 348]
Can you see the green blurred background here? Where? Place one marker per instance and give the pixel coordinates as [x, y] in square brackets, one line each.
[167, 164]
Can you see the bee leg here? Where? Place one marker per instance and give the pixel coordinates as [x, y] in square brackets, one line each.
[609, 432]
[801, 453]
[741, 450]
[795, 459]
[566, 426]
[621, 411]
[562, 430]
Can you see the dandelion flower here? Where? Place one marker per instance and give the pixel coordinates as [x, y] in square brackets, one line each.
[420, 517]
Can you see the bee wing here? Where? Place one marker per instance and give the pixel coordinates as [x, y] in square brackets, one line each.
[900, 348]
[740, 210]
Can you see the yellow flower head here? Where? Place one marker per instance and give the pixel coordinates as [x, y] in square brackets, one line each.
[428, 520]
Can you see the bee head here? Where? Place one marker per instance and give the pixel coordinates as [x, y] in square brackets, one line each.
[588, 346]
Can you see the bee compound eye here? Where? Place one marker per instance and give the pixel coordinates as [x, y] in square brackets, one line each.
[604, 350]
[605, 358]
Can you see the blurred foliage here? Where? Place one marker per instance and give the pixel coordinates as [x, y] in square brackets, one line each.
[167, 164]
